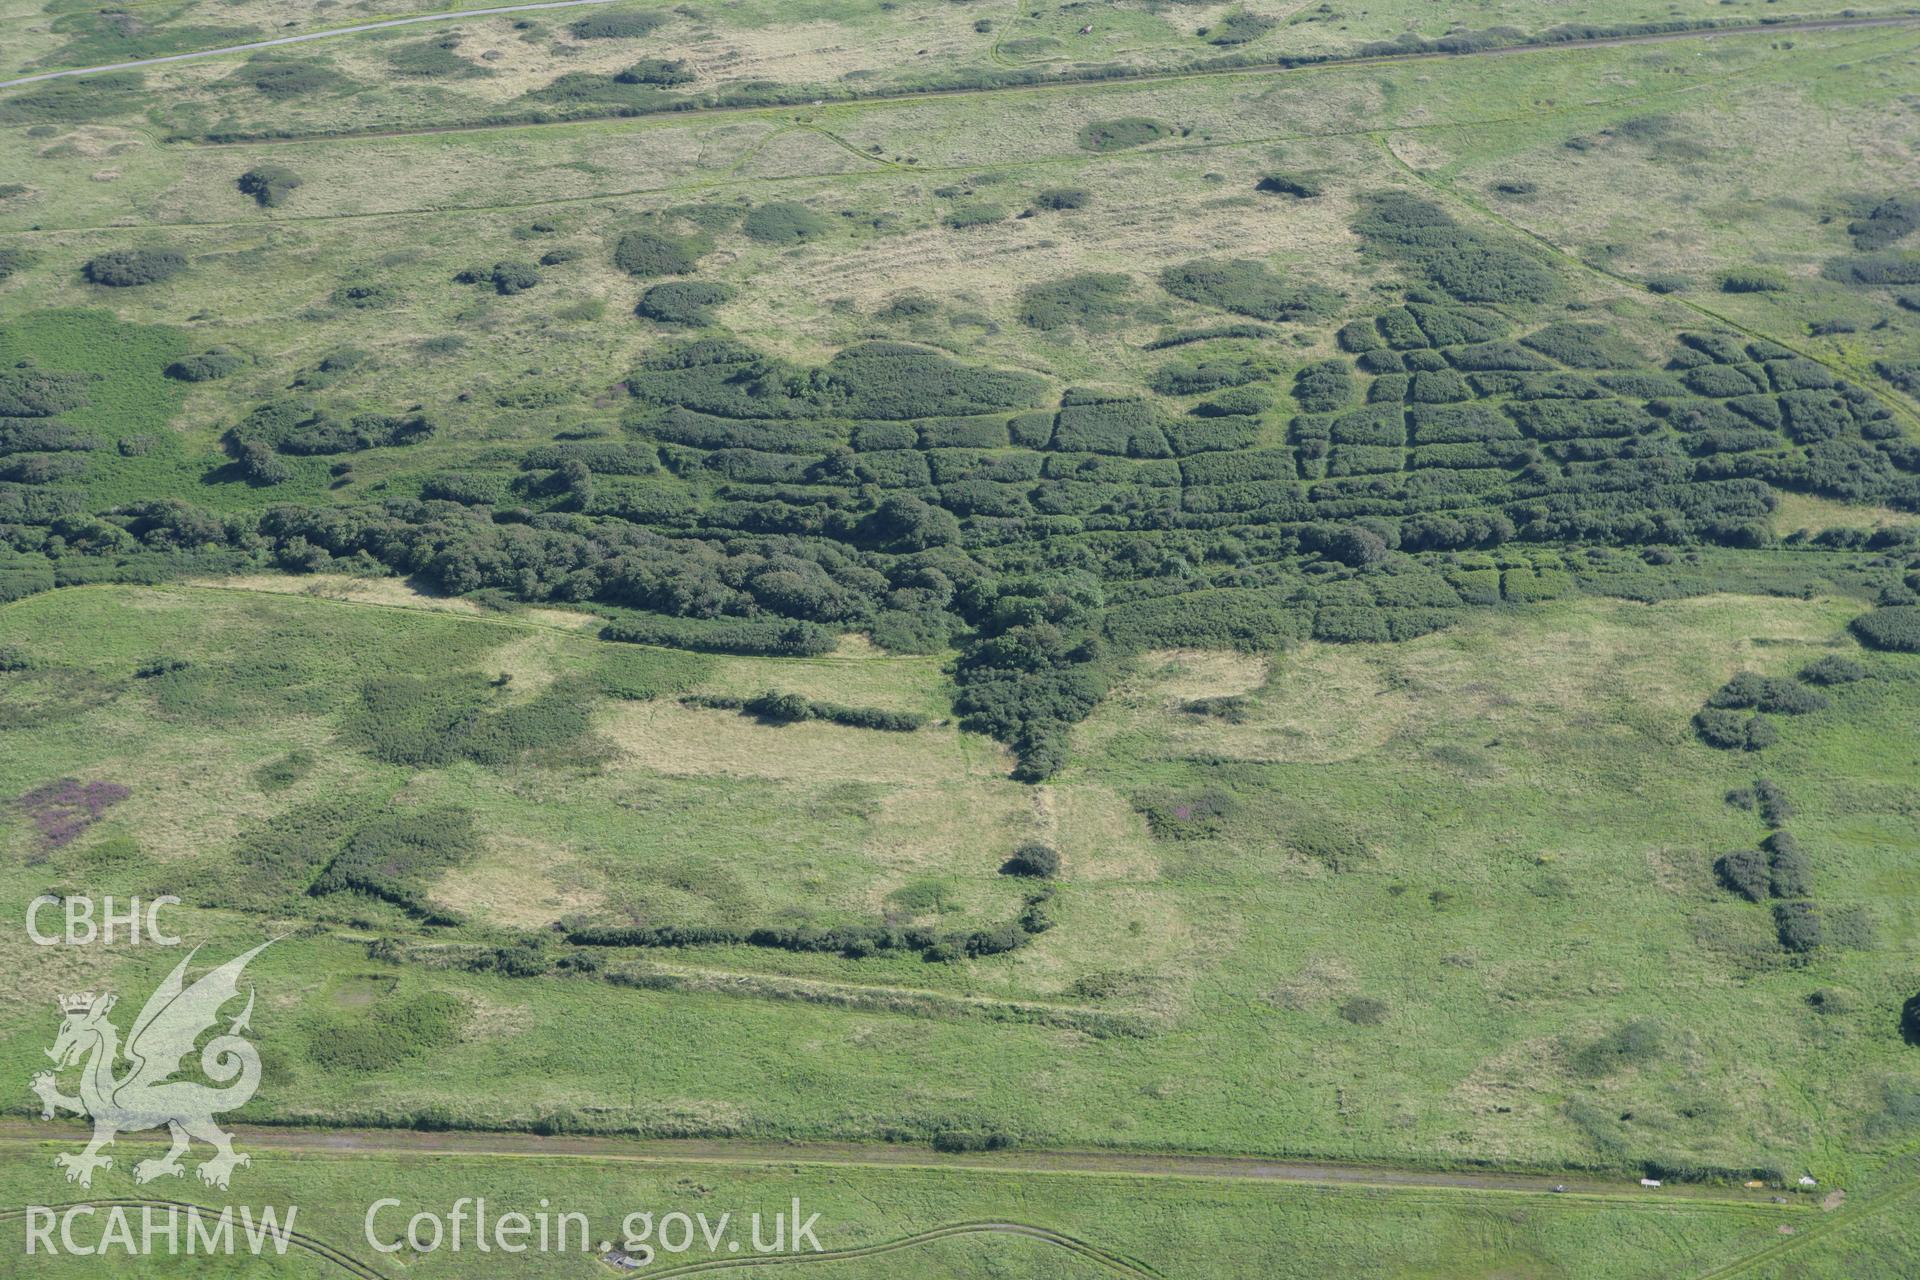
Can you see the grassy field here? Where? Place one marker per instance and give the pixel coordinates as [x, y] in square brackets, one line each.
[1495, 800]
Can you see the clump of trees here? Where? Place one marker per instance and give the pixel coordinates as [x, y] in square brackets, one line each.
[1041, 861]
[1056, 199]
[281, 79]
[651, 253]
[1798, 926]
[298, 425]
[1090, 300]
[1732, 731]
[688, 302]
[271, 185]
[1744, 871]
[1749, 691]
[976, 213]
[618, 26]
[1237, 27]
[512, 276]
[658, 72]
[1247, 288]
[1471, 266]
[208, 366]
[1832, 670]
[783, 222]
[365, 295]
[1289, 184]
[1323, 387]
[129, 268]
[1752, 280]
[1894, 627]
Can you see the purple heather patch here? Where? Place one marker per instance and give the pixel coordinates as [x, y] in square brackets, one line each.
[62, 810]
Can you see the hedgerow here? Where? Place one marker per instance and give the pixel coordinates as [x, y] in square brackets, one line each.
[772, 638]
[1323, 387]
[850, 941]
[793, 708]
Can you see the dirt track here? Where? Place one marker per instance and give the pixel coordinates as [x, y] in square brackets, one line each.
[891, 1155]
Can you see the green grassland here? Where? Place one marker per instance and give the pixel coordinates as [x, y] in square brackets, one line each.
[558, 63]
[1494, 799]
[1326, 508]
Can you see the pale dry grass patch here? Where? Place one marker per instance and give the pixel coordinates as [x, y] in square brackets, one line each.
[857, 674]
[1100, 837]
[1795, 511]
[519, 882]
[340, 586]
[1120, 929]
[689, 742]
[193, 793]
[1180, 675]
[1321, 704]
[959, 828]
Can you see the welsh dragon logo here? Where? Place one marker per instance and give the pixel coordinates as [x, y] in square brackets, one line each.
[145, 1096]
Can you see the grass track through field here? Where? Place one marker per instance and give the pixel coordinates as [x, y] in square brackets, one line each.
[1025, 1163]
